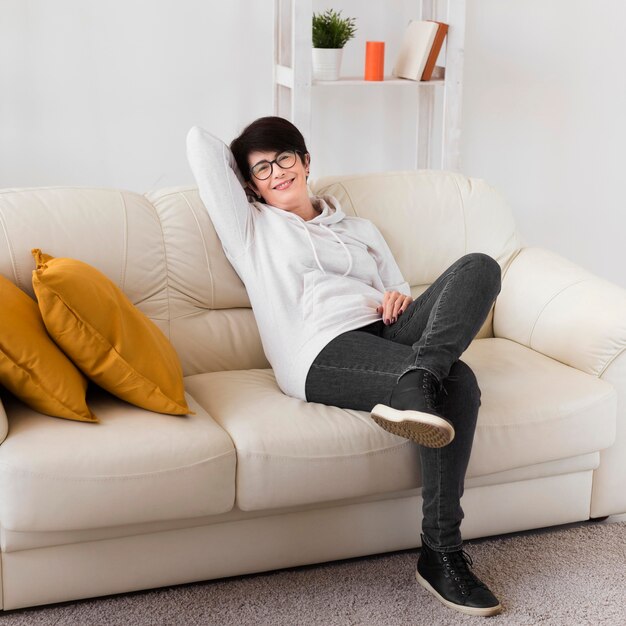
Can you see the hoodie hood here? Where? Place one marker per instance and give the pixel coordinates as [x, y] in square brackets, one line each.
[330, 210]
[331, 213]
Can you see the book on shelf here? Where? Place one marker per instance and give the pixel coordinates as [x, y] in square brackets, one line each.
[419, 50]
[440, 35]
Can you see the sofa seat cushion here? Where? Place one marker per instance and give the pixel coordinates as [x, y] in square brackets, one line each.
[14, 541]
[135, 466]
[290, 452]
[535, 409]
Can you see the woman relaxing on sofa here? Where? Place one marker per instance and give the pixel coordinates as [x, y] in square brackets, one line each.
[339, 327]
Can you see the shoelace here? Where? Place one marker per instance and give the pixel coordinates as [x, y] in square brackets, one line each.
[432, 388]
[458, 565]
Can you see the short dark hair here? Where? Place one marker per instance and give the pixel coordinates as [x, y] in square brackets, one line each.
[266, 134]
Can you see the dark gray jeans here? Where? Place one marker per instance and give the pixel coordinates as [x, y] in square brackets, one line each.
[358, 369]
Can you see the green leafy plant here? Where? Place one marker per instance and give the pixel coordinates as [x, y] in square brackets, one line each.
[330, 30]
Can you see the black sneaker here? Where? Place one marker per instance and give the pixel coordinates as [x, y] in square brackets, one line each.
[411, 411]
[447, 575]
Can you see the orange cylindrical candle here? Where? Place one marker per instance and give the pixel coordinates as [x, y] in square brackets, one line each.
[374, 60]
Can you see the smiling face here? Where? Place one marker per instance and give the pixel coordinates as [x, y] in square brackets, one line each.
[284, 188]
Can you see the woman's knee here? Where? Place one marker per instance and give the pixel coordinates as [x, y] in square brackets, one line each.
[487, 268]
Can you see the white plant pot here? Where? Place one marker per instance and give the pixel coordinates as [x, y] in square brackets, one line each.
[326, 63]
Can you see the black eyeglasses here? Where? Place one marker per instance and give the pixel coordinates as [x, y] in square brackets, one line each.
[263, 169]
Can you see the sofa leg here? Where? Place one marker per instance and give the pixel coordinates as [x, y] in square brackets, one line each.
[598, 519]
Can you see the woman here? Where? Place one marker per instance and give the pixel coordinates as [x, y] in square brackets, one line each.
[339, 327]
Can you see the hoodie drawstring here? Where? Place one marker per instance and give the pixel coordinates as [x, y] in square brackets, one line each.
[317, 260]
[344, 247]
[306, 230]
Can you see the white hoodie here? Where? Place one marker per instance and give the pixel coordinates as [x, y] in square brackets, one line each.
[308, 281]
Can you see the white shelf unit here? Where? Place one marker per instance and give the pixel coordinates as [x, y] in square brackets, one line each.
[293, 82]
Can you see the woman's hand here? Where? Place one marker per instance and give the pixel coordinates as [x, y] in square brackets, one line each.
[394, 304]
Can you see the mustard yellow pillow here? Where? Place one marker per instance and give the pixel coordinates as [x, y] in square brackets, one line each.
[31, 365]
[108, 338]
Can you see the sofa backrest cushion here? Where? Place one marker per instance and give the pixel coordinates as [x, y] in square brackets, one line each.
[118, 232]
[429, 218]
[211, 323]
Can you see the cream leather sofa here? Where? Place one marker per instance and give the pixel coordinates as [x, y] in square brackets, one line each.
[256, 480]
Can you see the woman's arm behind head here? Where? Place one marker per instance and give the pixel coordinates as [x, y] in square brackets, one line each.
[221, 190]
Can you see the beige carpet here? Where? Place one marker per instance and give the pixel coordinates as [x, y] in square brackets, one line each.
[572, 575]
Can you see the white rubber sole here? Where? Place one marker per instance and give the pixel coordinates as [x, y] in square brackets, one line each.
[468, 610]
[423, 428]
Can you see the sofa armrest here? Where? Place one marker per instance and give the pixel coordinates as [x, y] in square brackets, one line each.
[4, 423]
[559, 309]
[608, 496]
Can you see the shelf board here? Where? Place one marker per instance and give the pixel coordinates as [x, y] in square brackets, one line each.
[388, 80]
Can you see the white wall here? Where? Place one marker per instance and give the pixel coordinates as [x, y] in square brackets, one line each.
[543, 121]
[103, 93]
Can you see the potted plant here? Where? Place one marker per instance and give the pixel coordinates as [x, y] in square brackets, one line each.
[331, 32]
